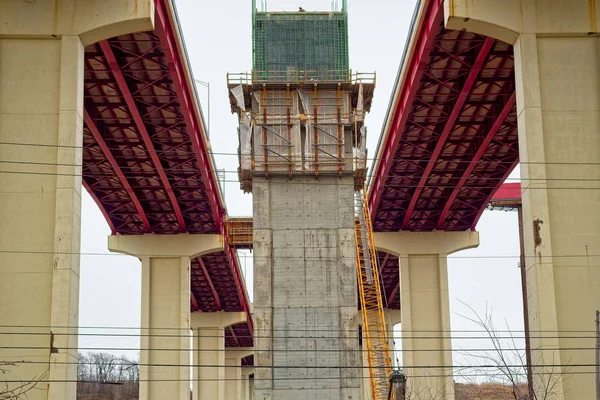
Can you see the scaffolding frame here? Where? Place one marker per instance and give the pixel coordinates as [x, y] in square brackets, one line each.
[239, 232]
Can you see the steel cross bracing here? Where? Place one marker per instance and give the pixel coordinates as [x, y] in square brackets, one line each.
[146, 162]
[452, 135]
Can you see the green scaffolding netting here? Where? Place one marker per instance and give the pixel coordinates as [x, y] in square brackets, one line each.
[286, 44]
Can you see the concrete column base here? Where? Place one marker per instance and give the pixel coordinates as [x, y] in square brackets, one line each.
[425, 306]
[210, 367]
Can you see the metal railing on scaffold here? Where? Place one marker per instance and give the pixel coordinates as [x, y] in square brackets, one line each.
[300, 77]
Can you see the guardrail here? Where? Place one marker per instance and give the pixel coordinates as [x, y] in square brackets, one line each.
[300, 77]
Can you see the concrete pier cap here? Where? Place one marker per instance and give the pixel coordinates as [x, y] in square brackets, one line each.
[91, 20]
[437, 242]
[166, 246]
[219, 319]
[507, 20]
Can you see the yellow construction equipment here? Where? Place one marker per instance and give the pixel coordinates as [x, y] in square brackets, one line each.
[374, 327]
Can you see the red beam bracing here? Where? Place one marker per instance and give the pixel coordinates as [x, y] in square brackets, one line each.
[100, 206]
[194, 306]
[508, 106]
[425, 34]
[210, 284]
[393, 293]
[142, 130]
[117, 169]
[448, 127]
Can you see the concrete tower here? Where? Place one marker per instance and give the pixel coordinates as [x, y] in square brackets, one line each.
[302, 155]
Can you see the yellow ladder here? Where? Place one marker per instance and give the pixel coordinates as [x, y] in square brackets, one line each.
[374, 328]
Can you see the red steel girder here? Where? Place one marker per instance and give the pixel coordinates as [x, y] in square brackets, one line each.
[169, 41]
[473, 163]
[426, 35]
[458, 105]
[141, 127]
[115, 166]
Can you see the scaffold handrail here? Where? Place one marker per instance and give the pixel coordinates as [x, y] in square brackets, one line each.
[297, 77]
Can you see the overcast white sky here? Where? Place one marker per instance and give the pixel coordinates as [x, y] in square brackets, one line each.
[218, 39]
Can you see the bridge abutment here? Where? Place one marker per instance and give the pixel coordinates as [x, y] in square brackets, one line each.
[165, 323]
[557, 64]
[424, 306]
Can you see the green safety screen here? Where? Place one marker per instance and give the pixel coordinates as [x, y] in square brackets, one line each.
[300, 41]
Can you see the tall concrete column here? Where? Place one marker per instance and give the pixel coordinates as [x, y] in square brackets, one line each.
[246, 380]
[557, 73]
[209, 372]
[425, 305]
[41, 102]
[558, 105]
[164, 361]
[41, 128]
[305, 313]
[234, 380]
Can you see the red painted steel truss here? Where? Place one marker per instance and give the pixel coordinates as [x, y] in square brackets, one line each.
[453, 137]
[389, 268]
[145, 161]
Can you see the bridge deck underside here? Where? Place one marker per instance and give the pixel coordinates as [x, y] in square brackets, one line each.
[457, 142]
[141, 161]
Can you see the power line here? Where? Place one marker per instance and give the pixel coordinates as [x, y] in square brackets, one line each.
[229, 349]
[257, 335]
[415, 256]
[233, 154]
[147, 169]
[385, 185]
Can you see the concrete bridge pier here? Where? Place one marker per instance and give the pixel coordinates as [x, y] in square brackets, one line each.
[247, 383]
[41, 128]
[165, 341]
[210, 364]
[425, 306]
[557, 73]
[234, 379]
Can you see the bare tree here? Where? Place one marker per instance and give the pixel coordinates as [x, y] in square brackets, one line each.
[505, 363]
[107, 377]
[18, 390]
